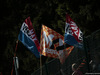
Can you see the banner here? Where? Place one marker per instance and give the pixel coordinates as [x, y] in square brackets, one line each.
[50, 39]
[73, 34]
[28, 37]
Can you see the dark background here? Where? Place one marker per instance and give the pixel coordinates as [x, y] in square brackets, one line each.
[86, 14]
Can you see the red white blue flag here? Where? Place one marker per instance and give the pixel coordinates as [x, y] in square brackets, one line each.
[73, 34]
[28, 37]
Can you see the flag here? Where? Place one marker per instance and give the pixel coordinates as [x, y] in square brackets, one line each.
[50, 39]
[73, 34]
[28, 37]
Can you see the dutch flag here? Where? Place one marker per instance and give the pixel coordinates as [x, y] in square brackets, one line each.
[28, 37]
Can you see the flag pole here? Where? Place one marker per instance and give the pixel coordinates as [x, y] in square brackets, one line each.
[16, 48]
[40, 64]
[13, 59]
[40, 57]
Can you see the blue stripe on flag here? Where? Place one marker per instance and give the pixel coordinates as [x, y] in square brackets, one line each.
[69, 39]
[28, 43]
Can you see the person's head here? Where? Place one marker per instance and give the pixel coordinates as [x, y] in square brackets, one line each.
[74, 66]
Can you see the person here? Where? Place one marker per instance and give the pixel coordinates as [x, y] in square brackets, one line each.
[75, 70]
